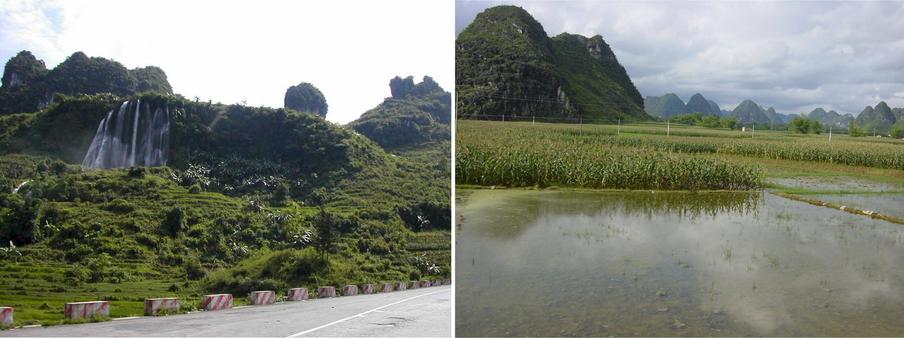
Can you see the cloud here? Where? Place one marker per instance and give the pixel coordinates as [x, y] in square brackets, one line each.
[234, 51]
[793, 56]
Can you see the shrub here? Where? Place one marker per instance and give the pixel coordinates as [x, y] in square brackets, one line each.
[137, 172]
[174, 222]
[120, 206]
[76, 275]
[193, 268]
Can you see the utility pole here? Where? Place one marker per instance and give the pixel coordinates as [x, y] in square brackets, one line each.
[830, 134]
[533, 120]
[668, 127]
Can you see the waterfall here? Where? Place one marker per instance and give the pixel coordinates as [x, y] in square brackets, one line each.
[16, 189]
[127, 137]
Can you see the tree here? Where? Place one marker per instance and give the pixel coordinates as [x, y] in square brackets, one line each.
[799, 125]
[804, 126]
[280, 194]
[855, 131]
[897, 132]
[815, 127]
[174, 222]
[327, 234]
[728, 122]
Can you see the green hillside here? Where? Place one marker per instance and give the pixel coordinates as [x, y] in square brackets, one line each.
[506, 64]
[248, 198]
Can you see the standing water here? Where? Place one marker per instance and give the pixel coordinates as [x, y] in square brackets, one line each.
[134, 135]
[545, 263]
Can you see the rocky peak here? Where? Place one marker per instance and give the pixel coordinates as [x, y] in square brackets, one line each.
[304, 97]
[400, 87]
[405, 87]
[599, 49]
[23, 68]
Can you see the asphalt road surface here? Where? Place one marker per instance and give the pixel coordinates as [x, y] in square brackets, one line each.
[423, 312]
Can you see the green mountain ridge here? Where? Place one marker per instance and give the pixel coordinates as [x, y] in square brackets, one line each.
[831, 118]
[28, 85]
[700, 104]
[665, 106]
[416, 115]
[506, 64]
[670, 105]
[881, 119]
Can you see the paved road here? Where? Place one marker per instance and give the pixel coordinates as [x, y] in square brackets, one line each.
[423, 312]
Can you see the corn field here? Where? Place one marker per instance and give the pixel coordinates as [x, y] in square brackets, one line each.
[516, 155]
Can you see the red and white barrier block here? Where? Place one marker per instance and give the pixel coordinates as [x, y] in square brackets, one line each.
[386, 287]
[154, 305]
[263, 297]
[349, 290]
[6, 316]
[217, 302]
[425, 283]
[414, 285]
[367, 289]
[437, 282]
[81, 310]
[326, 292]
[400, 286]
[296, 294]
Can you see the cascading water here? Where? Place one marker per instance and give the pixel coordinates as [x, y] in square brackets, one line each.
[130, 136]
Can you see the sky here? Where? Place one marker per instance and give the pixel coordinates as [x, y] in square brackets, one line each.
[248, 51]
[793, 56]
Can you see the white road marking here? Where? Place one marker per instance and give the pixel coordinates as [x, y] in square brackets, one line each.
[126, 318]
[360, 314]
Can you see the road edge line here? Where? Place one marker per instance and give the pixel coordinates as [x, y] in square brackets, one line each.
[359, 315]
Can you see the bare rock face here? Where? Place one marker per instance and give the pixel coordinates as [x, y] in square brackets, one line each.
[400, 87]
[306, 98]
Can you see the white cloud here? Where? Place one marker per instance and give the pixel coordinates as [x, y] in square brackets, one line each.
[233, 51]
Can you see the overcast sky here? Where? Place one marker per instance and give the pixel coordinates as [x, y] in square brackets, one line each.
[794, 56]
[234, 51]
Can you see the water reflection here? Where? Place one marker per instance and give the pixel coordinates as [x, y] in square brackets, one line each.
[581, 263]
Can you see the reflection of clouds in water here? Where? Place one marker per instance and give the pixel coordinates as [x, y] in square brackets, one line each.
[793, 262]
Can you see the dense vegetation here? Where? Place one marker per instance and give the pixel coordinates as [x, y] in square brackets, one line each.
[805, 125]
[252, 197]
[516, 154]
[415, 115]
[29, 86]
[644, 156]
[703, 120]
[306, 98]
[506, 64]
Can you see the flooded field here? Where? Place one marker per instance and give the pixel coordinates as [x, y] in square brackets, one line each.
[553, 263]
[887, 204]
[840, 183]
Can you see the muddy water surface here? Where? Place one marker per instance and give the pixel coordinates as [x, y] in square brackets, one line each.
[614, 263]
